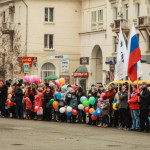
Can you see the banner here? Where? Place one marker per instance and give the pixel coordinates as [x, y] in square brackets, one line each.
[65, 65]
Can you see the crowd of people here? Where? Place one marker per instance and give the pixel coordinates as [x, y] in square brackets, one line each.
[119, 108]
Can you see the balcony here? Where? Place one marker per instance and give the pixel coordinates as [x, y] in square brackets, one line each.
[144, 21]
[120, 22]
[7, 28]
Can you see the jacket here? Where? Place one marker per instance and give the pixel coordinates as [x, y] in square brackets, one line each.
[3, 94]
[133, 102]
[123, 100]
[38, 100]
[28, 104]
[105, 108]
[19, 94]
[144, 99]
[74, 103]
[68, 99]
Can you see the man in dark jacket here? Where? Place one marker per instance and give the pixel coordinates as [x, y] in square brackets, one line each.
[19, 97]
[69, 96]
[144, 108]
[123, 106]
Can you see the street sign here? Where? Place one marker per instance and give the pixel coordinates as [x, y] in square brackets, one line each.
[26, 68]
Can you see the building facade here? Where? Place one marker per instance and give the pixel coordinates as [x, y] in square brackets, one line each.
[68, 36]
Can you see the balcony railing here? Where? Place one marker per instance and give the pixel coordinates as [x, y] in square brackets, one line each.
[144, 21]
[7, 28]
[120, 22]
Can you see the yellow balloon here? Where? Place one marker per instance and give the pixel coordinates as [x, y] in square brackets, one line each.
[9, 96]
[114, 106]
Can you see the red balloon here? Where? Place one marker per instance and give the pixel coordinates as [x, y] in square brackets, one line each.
[86, 109]
[7, 101]
[36, 108]
[74, 112]
[10, 103]
[102, 95]
[74, 87]
[93, 117]
[66, 111]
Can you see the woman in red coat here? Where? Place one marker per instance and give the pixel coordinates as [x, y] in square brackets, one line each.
[134, 106]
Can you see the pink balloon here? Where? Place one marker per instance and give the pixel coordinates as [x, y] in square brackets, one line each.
[93, 117]
[58, 83]
[86, 109]
[27, 78]
[74, 112]
[102, 95]
[35, 78]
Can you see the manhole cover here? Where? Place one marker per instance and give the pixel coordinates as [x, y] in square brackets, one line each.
[114, 145]
[17, 144]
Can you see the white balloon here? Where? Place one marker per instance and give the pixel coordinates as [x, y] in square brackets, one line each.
[69, 109]
[80, 106]
[62, 110]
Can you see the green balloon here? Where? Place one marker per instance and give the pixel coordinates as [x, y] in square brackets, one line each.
[86, 103]
[83, 98]
[52, 101]
[92, 100]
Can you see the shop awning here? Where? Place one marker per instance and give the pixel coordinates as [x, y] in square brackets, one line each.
[81, 69]
[52, 77]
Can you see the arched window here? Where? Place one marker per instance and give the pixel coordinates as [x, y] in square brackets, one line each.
[46, 70]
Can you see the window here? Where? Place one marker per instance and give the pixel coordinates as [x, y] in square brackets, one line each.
[115, 13]
[4, 17]
[115, 43]
[126, 11]
[100, 15]
[93, 17]
[49, 14]
[137, 10]
[48, 41]
[148, 43]
[11, 42]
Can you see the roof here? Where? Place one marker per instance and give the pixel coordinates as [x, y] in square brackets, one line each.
[82, 69]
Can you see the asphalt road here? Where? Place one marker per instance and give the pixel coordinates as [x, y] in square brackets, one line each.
[39, 135]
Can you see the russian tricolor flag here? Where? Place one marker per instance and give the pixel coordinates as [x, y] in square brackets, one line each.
[134, 64]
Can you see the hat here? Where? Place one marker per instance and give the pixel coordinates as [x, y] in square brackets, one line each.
[101, 86]
[9, 80]
[70, 89]
[68, 86]
[94, 88]
[99, 82]
[19, 84]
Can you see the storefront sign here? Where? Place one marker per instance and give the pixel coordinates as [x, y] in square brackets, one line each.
[26, 68]
[54, 56]
[65, 65]
[28, 60]
[80, 74]
[84, 60]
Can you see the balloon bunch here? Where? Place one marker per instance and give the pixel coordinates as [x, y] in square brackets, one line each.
[32, 79]
[68, 111]
[8, 101]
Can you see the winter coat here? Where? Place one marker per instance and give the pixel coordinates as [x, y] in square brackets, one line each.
[48, 96]
[123, 100]
[110, 95]
[38, 100]
[68, 98]
[19, 94]
[74, 103]
[133, 103]
[3, 94]
[28, 104]
[105, 108]
[144, 99]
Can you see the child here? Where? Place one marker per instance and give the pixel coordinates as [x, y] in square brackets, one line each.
[74, 105]
[38, 103]
[48, 95]
[105, 112]
[100, 117]
[28, 107]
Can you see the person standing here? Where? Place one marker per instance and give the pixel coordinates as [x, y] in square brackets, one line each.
[134, 107]
[144, 97]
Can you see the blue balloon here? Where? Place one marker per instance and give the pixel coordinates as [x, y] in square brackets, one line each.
[149, 119]
[98, 111]
[69, 114]
[58, 96]
[95, 114]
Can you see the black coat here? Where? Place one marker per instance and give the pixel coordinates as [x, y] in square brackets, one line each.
[48, 97]
[3, 94]
[145, 99]
[68, 99]
[19, 94]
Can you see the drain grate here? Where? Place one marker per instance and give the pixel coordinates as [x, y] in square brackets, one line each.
[114, 145]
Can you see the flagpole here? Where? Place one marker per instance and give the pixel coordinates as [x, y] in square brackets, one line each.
[138, 88]
[129, 89]
[119, 78]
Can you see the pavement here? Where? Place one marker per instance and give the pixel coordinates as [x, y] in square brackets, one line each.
[40, 135]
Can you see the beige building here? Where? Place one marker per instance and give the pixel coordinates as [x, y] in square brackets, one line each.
[66, 34]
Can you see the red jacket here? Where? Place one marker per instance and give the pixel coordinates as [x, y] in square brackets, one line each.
[38, 100]
[28, 104]
[133, 103]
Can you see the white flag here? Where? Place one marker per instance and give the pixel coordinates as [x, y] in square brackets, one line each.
[122, 58]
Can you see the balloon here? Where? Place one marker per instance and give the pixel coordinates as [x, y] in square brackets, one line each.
[10, 103]
[7, 101]
[93, 117]
[62, 110]
[92, 100]
[80, 106]
[149, 119]
[35, 78]
[66, 111]
[74, 112]
[69, 109]
[86, 109]
[55, 104]
[98, 111]
[31, 75]
[116, 96]
[83, 98]
[9, 96]
[62, 81]
[74, 87]
[52, 101]
[58, 96]
[69, 114]
[58, 83]
[36, 108]
[114, 106]
[95, 113]
[31, 80]
[102, 95]
[91, 111]
[86, 103]
[27, 78]
[100, 99]
[65, 87]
